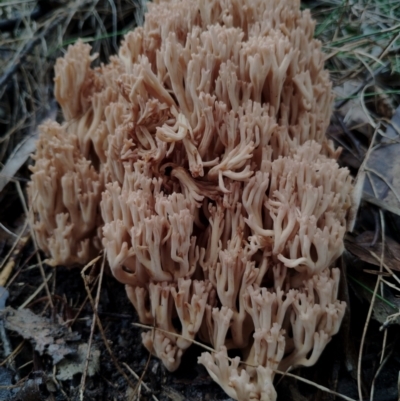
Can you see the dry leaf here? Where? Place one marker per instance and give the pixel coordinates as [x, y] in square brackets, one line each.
[352, 111]
[363, 245]
[46, 337]
[383, 166]
[68, 367]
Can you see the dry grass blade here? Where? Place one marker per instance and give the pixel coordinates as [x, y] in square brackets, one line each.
[97, 320]
[9, 261]
[95, 307]
[370, 310]
[39, 259]
[133, 373]
[12, 356]
[36, 292]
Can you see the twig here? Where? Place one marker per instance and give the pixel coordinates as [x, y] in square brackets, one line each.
[394, 276]
[28, 216]
[318, 386]
[16, 249]
[72, 321]
[58, 384]
[16, 274]
[95, 307]
[36, 292]
[9, 232]
[382, 364]
[101, 329]
[140, 381]
[206, 347]
[15, 244]
[13, 354]
[135, 375]
[371, 306]
[388, 283]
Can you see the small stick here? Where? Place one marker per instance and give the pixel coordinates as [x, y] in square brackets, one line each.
[83, 380]
[28, 214]
[40, 288]
[101, 329]
[136, 376]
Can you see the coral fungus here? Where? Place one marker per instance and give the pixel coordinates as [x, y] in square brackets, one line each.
[223, 208]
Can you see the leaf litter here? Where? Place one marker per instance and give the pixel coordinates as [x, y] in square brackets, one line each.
[52, 339]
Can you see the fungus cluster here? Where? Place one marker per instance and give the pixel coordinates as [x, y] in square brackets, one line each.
[197, 159]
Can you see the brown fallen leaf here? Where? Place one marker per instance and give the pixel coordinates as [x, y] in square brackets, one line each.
[383, 166]
[47, 338]
[352, 111]
[363, 245]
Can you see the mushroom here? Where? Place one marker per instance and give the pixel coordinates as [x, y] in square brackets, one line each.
[223, 208]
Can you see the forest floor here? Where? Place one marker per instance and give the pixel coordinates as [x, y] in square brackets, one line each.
[52, 313]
